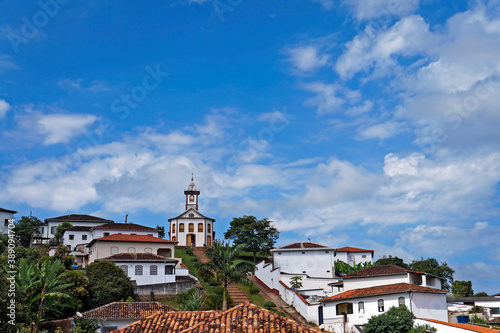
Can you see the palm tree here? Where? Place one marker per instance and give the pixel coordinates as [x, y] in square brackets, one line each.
[225, 266]
[44, 286]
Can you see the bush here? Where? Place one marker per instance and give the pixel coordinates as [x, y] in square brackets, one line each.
[195, 259]
[423, 329]
[393, 321]
[219, 290]
[477, 320]
[476, 309]
[253, 289]
[268, 305]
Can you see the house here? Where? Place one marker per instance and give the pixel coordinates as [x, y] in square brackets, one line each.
[444, 327]
[113, 244]
[48, 229]
[245, 317]
[145, 268]
[353, 255]
[191, 228]
[372, 291]
[490, 303]
[6, 215]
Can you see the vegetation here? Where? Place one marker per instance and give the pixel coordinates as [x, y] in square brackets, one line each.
[26, 228]
[432, 266]
[477, 320]
[476, 309]
[108, 283]
[191, 300]
[396, 320]
[268, 305]
[60, 229]
[423, 329]
[161, 230]
[462, 289]
[296, 282]
[481, 294]
[255, 235]
[390, 260]
[344, 268]
[225, 266]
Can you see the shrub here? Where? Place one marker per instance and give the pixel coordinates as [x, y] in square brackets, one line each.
[268, 305]
[423, 329]
[253, 289]
[476, 309]
[478, 320]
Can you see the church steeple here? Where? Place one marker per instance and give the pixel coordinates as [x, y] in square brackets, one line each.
[192, 194]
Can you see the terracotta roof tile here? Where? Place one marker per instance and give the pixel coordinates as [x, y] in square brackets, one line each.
[352, 249]
[130, 310]
[380, 270]
[124, 227]
[131, 238]
[137, 256]
[244, 318]
[77, 228]
[469, 327]
[382, 290]
[77, 217]
[303, 245]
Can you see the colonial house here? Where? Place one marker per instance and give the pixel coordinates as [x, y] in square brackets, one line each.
[245, 317]
[48, 229]
[353, 255]
[490, 303]
[103, 247]
[374, 290]
[5, 216]
[192, 228]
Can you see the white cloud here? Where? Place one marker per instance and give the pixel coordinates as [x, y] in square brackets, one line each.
[61, 128]
[326, 4]
[4, 107]
[307, 58]
[381, 131]
[366, 10]
[329, 98]
[94, 86]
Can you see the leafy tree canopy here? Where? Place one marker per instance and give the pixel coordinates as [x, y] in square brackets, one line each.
[481, 294]
[108, 283]
[60, 229]
[396, 320]
[462, 289]
[344, 268]
[390, 260]
[27, 227]
[255, 235]
[423, 329]
[161, 231]
[432, 266]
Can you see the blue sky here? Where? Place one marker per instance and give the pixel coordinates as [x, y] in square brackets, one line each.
[361, 124]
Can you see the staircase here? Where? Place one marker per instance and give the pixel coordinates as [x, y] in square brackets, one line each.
[235, 293]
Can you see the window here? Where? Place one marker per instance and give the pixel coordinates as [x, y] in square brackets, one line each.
[148, 250]
[131, 250]
[53, 230]
[71, 237]
[361, 307]
[200, 227]
[494, 311]
[181, 227]
[191, 215]
[327, 251]
[173, 227]
[150, 234]
[401, 301]
[138, 270]
[153, 270]
[42, 230]
[125, 269]
[352, 257]
[191, 227]
[84, 237]
[7, 223]
[114, 250]
[173, 238]
[303, 253]
[106, 234]
[380, 305]
[363, 256]
[169, 270]
[208, 227]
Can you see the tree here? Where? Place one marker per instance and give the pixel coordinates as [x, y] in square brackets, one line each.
[161, 231]
[342, 267]
[481, 294]
[255, 235]
[296, 282]
[423, 329]
[225, 266]
[108, 283]
[396, 320]
[60, 229]
[431, 266]
[390, 260]
[462, 289]
[26, 228]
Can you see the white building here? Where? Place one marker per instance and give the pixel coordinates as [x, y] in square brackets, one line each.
[145, 268]
[353, 255]
[5, 216]
[191, 228]
[48, 229]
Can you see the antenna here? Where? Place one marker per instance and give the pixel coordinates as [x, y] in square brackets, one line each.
[126, 218]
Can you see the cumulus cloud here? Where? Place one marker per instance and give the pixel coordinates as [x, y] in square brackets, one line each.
[381, 131]
[329, 97]
[366, 10]
[61, 128]
[307, 58]
[4, 107]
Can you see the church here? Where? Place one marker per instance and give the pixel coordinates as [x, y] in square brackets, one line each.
[191, 228]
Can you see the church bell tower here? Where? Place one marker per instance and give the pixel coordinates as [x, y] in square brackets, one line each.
[192, 194]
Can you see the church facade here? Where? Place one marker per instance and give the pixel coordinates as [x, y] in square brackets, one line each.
[192, 228]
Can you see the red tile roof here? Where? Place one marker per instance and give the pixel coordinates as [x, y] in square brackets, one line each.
[352, 249]
[124, 227]
[303, 245]
[244, 318]
[137, 256]
[380, 270]
[77, 228]
[129, 310]
[382, 290]
[131, 238]
[469, 327]
[78, 218]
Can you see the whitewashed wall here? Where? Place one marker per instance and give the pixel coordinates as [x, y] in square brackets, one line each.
[432, 306]
[146, 277]
[5, 216]
[315, 263]
[77, 238]
[372, 281]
